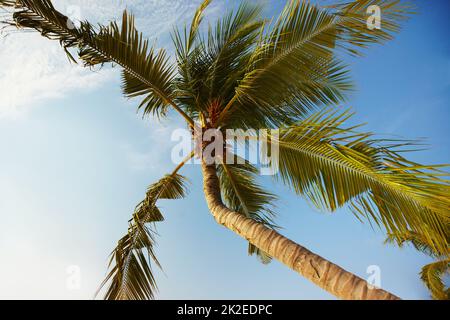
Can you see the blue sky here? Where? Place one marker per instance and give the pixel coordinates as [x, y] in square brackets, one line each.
[76, 159]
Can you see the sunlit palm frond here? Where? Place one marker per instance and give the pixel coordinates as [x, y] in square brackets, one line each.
[184, 43]
[241, 193]
[131, 276]
[320, 82]
[302, 43]
[229, 45]
[190, 61]
[432, 275]
[351, 22]
[263, 257]
[209, 72]
[418, 241]
[44, 18]
[147, 72]
[333, 166]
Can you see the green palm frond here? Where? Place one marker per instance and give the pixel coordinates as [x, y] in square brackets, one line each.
[419, 242]
[209, 73]
[350, 23]
[279, 101]
[196, 22]
[241, 193]
[44, 18]
[190, 62]
[263, 257]
[293, 68]
[432, 275]
[229, 45]
[334, 166]
[184, 43]
[146, 71]
[131, 276]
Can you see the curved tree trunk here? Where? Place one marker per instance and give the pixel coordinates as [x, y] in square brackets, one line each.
[320, 271]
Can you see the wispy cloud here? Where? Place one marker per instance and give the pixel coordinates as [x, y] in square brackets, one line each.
[34, 69]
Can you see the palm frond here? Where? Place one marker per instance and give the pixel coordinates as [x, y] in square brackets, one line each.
[146, 71]
[432, 275]
[350, 23]
[242, 194]
[184, 44]
[293, 68]
[278, 100]
[209, 72]
[334, 166]
[262, 256]
[131, 276]
[44, 18]
[189, 55]
[418, 241]
[229, 45]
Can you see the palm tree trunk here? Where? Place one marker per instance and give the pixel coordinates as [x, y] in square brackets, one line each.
[320, 271]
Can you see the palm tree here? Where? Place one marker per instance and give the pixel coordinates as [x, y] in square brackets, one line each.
[250, 73]
[433, 273]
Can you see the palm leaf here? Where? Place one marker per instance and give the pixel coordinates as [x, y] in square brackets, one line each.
[189, 60]
[184, 44]
[44, 18]
[334, 166]
[279, 100]
[131, 276]
[242, 194]
[145, 71]
[419, 242]
[293, 69]
[432, 275]
[209, 72]
[229, 45]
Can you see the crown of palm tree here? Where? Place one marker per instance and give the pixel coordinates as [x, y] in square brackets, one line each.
[247, 72]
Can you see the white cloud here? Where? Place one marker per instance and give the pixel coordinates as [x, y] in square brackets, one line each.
[34, 69]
